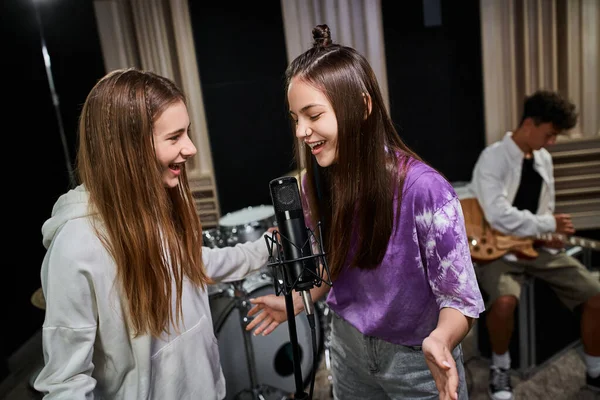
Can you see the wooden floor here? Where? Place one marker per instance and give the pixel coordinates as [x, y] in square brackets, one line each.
[561, 379]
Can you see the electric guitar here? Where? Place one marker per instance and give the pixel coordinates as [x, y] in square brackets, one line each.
[487, 244]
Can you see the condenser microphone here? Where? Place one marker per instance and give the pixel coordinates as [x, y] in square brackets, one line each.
[299, 265]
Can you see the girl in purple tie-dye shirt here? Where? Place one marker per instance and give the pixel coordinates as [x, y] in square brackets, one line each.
[404, 290]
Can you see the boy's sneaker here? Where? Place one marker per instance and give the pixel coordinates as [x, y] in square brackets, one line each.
[592, 383]
[500, 388]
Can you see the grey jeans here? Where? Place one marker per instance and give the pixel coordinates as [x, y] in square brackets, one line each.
[365, 367]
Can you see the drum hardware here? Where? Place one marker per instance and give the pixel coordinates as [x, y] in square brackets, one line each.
[327, 316]
[263, 368]
[213, 238]
[241, 296]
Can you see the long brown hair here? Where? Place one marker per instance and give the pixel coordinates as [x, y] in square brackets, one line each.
[153, 233]
[358, 190]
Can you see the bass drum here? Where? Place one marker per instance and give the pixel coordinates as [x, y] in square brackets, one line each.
[273, 361]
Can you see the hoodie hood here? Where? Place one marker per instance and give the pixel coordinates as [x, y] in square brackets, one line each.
[69, 206]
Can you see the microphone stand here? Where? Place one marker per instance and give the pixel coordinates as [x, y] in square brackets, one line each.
[286, 285]
[289, 306]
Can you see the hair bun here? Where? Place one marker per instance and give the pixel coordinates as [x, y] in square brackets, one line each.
[321, 36]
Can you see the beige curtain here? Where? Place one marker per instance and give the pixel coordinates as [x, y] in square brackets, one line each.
[540, 44]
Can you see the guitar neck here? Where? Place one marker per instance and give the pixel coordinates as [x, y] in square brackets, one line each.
[572, 240]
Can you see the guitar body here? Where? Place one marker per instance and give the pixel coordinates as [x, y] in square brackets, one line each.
[485, 243]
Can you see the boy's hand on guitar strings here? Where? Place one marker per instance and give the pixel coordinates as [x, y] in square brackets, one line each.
[554, 243]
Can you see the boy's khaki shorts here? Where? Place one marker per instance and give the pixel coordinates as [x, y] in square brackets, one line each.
[571, 281]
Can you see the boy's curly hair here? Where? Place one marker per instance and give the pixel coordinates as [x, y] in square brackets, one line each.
[546, 106]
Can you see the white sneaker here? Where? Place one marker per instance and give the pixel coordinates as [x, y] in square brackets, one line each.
[500, 387]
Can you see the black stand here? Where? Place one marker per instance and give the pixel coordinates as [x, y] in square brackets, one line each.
[289, 305]
[240, 300]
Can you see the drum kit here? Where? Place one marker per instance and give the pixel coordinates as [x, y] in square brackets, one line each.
[257, 367]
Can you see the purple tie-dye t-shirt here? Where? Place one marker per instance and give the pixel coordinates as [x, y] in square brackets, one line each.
[427, 266]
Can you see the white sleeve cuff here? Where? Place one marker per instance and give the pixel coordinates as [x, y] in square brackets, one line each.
[547, 223]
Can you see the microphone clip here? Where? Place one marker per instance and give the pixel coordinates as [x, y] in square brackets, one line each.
[308, 278]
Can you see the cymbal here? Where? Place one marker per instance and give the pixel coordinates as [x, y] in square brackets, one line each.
[37, 299]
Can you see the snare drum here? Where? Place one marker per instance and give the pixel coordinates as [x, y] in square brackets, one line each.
[273, 362]
[247, 224]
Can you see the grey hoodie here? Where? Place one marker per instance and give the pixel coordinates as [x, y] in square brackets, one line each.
[90, 353]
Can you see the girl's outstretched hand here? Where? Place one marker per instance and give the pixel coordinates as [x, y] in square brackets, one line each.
[269, 312]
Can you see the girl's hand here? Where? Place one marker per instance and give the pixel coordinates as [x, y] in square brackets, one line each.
[442, 366]
[270, 312]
